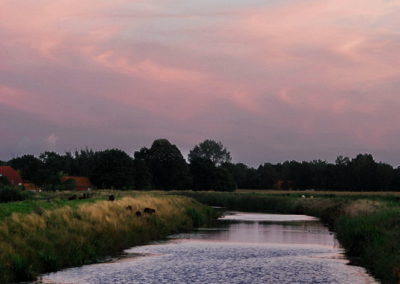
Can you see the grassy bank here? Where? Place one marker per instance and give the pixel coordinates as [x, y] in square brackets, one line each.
[367, 226]
[62, 236]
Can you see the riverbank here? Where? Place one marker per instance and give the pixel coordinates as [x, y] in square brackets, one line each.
[63, 236]
[368, 227]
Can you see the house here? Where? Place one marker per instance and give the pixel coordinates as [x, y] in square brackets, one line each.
[30, 186]
[12, 175]
[81, 183]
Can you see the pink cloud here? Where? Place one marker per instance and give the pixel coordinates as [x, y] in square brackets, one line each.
[148, 69]
[310, 68]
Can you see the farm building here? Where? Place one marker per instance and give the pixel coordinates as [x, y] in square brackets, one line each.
[81, 183]
[30, 186]
[12, 175]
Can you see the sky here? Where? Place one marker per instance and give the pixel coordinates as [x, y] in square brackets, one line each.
[273, 80]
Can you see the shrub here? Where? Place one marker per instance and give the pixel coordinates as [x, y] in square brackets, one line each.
[10, 194]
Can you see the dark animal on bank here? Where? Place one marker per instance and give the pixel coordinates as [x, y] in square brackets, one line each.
[149, 210]
[84, 196]
[73, 197]
[138, 213]
[111, 197]
[39, 211]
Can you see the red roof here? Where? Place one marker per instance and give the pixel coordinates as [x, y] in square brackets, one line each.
[82, 183]
[12, 175]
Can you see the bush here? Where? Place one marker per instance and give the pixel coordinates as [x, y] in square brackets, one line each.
[4, 181]
[9, 194]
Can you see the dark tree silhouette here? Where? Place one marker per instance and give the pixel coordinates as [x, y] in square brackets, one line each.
[207, 176]
[28, 166]
[167, 165]
[114, 169]
[210, 150]
[163, 167]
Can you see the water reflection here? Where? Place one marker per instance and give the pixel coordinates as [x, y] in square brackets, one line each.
[273, 249]
[268, 228]
[260, 217]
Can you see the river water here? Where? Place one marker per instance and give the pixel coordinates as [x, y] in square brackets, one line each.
[241, 248]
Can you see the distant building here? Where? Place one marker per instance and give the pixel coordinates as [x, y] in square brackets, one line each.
[81, 183]
[12, 175]
[30, 186]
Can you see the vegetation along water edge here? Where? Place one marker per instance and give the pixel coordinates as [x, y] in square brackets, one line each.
[47, 239]
[367, 226]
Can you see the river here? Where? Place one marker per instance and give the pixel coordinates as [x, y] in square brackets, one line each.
[241, 248]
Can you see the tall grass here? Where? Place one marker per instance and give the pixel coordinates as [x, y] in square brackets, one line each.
[48, 240]
[373, 240]
[368, 229]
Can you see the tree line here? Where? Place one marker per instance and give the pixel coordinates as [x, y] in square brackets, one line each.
[209, 166]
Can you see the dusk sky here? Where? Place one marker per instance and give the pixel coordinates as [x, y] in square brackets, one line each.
[273, 80]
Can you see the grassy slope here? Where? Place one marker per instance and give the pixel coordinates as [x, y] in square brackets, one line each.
[367, 225]
[53, 200]
[58, 236]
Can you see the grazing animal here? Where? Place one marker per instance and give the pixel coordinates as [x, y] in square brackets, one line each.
[111, 197]
[84, 196]
[149, 210]
[39, 210]
[138, 213]
[129, 208]
[73, 197]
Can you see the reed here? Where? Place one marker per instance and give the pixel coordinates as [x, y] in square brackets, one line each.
[48, 240]
[372, 240]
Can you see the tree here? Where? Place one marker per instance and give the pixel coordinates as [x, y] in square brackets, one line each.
[207, 176]
[252, 180]
[114, 169]
[364, 172]
[239, 172]
[167, 165]
[385, 176]
[143, 178]
[224, 180]
[28, 166]
[267, 176]
[204, 174]
[210, 150]
[56, 162]
[342, 173]
[84, 162]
